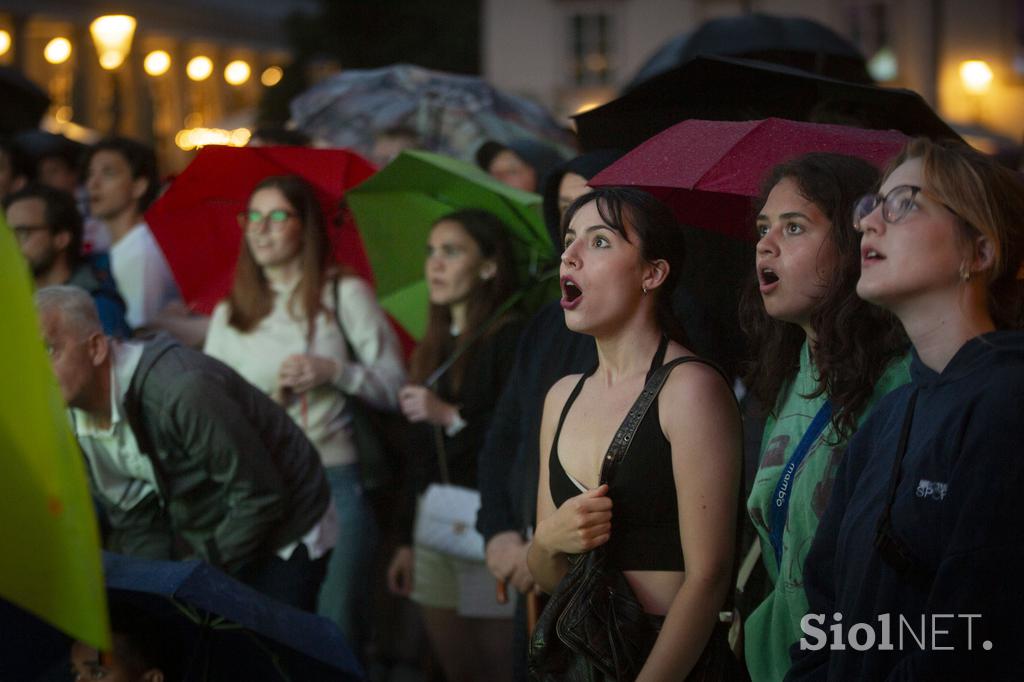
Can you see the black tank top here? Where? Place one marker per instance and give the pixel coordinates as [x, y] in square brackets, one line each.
[645, 514]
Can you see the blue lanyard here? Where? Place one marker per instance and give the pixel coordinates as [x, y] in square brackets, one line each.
[784, 488]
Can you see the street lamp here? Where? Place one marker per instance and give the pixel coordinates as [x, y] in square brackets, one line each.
[237, 72]
[976, 76]
[157, 63]
[112, 35]
[199, 68]
[5, 42]
[57, 51]
[272, 76]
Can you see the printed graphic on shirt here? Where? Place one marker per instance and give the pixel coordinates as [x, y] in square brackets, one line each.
[935, 490]
[775, 452]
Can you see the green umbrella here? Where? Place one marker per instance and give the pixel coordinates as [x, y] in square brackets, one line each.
[396, 208]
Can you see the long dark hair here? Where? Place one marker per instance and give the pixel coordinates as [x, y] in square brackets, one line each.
[661, 238]
[492, 238]
[251, 298]
[855, 341]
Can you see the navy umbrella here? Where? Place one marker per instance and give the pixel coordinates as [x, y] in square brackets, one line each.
[231, 630]
[214, 628]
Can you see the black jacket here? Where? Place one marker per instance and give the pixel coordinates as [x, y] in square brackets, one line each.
[957, 512]
[236, 477]
[487, 370]
[509, 459]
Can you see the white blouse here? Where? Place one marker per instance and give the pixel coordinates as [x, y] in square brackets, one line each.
[375, 375]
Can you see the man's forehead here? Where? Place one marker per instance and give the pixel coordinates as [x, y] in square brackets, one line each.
[27, 204]
[52, 322]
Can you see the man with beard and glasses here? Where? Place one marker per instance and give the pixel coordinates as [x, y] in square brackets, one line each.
[48, 228]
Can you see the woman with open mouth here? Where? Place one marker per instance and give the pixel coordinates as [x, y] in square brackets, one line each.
[672, 498]
[823, 357]
[924, 524]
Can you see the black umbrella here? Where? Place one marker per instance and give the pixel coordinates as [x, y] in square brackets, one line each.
[39, 143]
[729, 89]
[24, 101]
[791, 41]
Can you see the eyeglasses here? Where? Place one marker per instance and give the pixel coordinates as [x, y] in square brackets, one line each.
[895, 205]
[23, 232]
[254, 220]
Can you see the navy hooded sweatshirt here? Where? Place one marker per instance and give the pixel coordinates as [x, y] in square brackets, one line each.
[957, 514]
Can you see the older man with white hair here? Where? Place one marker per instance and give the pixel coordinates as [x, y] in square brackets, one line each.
[180, 447]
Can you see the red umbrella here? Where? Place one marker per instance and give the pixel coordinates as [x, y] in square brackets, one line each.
[708, 171]
[195, 220]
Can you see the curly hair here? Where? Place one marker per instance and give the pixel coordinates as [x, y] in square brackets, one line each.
[855, 341]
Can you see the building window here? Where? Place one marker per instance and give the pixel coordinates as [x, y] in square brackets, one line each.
[870, 29]
[1018, 38]
[591, 49]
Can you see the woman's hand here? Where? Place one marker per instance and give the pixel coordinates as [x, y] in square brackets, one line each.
[400, 572]
[420, 404]
[506, 560]
[579, 525]
[301, 373]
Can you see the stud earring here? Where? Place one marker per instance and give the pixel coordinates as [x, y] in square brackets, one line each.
[644, 289]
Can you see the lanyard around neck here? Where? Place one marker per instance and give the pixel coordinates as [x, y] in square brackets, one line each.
[784, 488]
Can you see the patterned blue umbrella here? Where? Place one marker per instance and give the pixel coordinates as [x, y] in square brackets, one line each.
[452, 114]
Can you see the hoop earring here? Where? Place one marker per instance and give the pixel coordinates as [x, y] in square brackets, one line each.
[965, 272]
[644, 289]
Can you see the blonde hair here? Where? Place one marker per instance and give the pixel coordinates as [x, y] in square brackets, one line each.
[988, 200]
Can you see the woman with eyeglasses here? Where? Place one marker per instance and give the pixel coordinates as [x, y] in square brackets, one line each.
[823, 357]
[314, 338]
[915, 571]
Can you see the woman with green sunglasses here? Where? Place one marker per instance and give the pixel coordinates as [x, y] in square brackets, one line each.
[314, 338]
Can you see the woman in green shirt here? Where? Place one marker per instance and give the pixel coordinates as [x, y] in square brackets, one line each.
[823, 357]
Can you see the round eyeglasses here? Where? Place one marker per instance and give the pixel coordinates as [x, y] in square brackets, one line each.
[896, 204]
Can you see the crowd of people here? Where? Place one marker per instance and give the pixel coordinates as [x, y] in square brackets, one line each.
[881, 313]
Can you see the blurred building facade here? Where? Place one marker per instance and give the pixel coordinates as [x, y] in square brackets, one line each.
[158, 94]
[575, 54]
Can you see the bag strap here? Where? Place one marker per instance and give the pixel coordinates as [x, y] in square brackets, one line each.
[627, 430]
[336, 296]
[781, 497]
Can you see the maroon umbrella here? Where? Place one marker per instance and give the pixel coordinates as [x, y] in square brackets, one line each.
[195, 221]
[708, 171]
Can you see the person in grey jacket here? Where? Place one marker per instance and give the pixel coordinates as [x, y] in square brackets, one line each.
[188, 459]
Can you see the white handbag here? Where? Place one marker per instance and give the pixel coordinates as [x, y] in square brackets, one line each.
[446, 520]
